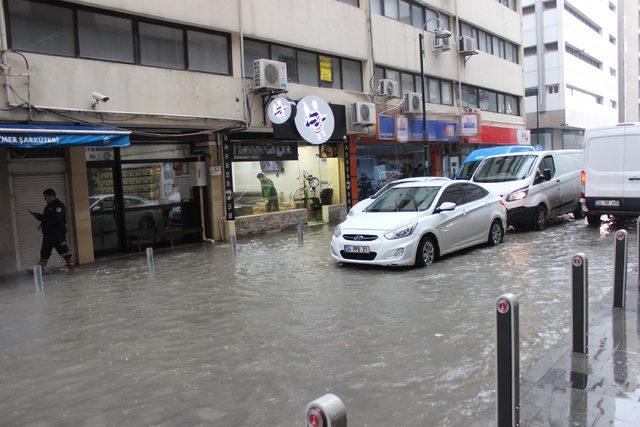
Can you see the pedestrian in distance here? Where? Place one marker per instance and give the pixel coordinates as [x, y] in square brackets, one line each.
[53, 224]
[269, 193]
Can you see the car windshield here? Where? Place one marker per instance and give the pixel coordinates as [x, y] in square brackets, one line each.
[467, 170]
[405, 199]
[504, 168]
[385, 188]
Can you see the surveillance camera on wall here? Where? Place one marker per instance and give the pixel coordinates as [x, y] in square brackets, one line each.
[100, 97]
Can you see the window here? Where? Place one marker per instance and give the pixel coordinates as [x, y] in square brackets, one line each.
[453, 194]
[546, 163]
[308, 69]
[482, 41]
[551, 89]
[473, 193]
[550, 4]
[208, 52]
[376, 6]
[351, 2]
[612, 39]
[405, 12]
[447, 92]
[42, 28]
[409, 12]
[599, 100]
[511, 104]
[612, 7]
[351, 75]
[528, 10]
[582, 18]
[469, 96]
[417, 16]
[530, 91]
[551, 47]
[391, 9]
[253, 50]
[392, 75]
[501, 104]
[613, 72]
[614, 104]
[530, 50]
[378, 74]
[105, 37]
[288, 56]
[489, 43]
[488, 100]
[336, 75]
[434, 91]
[511, 4]
[580, 54]
[407, 83]
[161, 46]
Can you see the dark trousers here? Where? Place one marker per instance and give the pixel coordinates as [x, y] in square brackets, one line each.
[57, 241]
[272, 204]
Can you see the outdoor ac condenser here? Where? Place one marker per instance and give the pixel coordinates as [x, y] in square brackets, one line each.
[363, 113]
[388, 88]
[268, 74]
[468, 46]
[413, 103]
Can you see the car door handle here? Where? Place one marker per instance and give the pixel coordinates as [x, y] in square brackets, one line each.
[557, 181]
[635, 178]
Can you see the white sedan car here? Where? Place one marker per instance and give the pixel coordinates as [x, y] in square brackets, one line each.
[413, 223]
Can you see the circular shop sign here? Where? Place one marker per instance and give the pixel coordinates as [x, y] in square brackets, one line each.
[279, 110]
[314, 120]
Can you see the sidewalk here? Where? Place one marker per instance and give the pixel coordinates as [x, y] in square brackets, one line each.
[602, 388]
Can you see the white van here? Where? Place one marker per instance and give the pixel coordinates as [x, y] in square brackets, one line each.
[611, 172]
[535, 185]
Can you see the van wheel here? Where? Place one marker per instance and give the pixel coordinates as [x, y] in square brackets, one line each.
[540, 218]
[427, 252]
[496, 233]
[578, 213]
[594, 220]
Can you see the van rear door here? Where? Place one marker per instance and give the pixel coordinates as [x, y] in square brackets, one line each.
[632, 165]
[604, 164]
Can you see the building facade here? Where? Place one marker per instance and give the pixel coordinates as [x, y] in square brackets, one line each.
[571, 68]
[202, 156]
[628, 61]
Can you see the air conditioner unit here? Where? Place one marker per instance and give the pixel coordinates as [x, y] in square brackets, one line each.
[269, 74]
[413, 103]
[441, 44]
[388, 88]
[468, 46]
[363, 113]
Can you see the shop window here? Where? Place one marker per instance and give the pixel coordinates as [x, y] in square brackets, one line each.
[161, 46]
[407, 83]
[288, 56]
[434, 91]
[105, 37]
[308, 73]
[43, 28]
[253, 50]
[351, 75]
[208, 52]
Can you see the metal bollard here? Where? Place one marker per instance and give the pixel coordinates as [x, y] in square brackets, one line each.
[507, 361]
[580, 302]
[151, 264]
[300, 233]
[326, 411]
[233, 242]
[37, 278]
[620, 269]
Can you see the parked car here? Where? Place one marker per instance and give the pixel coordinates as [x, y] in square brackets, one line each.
[140, 213]
[363, 204]
[611, 172]
[535, 186]
[415, 222]
[473, 160]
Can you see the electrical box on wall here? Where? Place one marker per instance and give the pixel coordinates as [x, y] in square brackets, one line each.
[199, 174]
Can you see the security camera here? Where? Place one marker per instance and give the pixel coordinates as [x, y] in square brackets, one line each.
[100, 97]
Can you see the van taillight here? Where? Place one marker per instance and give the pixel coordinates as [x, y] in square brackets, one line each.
[583, 182]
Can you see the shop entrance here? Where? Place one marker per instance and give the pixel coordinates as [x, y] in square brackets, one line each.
[143, 192]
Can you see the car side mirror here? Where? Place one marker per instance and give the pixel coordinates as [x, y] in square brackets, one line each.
[547, 174]
[445, 207]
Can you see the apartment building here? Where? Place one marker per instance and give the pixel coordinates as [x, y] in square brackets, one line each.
[571, 68]
[628, 61]
[146, 120]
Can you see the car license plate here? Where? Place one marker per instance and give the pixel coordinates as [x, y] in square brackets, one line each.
[614, 203]
[356, 249]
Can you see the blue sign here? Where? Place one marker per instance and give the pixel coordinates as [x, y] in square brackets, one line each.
[47, 136]
[386, 127]
[437, 130]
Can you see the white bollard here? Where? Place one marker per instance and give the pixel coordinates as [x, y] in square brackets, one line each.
[151, 264]
[326, 411]
[37, 278]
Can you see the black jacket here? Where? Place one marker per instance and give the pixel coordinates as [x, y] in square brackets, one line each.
[54, 218]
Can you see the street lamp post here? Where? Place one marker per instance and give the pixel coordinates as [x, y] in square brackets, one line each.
[439, 33]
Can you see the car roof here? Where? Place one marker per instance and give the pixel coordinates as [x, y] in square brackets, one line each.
[481, 153]
[434, 182]
[420, 179]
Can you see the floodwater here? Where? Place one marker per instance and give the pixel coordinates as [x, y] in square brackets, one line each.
[211, 339]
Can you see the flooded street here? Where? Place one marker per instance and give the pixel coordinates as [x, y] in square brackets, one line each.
[249, 340]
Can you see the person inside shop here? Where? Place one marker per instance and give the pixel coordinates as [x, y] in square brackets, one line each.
[365, 189]
[419, 170]
[269, 193]
[53, 224]
[406, 170]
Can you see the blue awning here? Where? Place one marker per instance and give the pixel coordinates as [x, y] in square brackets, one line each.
[47, 136]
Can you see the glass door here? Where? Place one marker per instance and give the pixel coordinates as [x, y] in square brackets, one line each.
[105, 208]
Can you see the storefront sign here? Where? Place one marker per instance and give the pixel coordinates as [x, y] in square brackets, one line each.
[347, 173]
[437, 130]
[386, 127]
[49, 136]
[228, 179]
[279, 110]
[314, 120]
[469, 124]
[402, 128]
[326, 72]
[98, 154]
[524, 137]
[264, 151]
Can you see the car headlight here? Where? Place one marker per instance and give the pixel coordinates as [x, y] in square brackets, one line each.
[336, 231]
[517, 195]
[401, 232]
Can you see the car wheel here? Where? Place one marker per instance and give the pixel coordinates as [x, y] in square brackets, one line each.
[578, 213]
[540, 218]
[496, 233]
[427, 252]
[594, 220]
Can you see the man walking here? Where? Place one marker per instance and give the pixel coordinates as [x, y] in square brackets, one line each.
[53, 224]
[269, 193]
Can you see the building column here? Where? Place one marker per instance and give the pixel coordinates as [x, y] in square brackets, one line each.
[79, 200]
[7, 249]
[436, 159]
[216, 194]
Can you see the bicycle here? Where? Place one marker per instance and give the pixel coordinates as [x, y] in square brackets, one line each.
[306, 195]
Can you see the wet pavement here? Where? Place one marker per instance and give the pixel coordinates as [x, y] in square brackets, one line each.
[213, 339]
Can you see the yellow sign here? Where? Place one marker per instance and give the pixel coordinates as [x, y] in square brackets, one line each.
[326, 73]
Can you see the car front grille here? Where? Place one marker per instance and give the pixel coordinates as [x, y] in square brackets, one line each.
[360, 237]
[359, 257]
